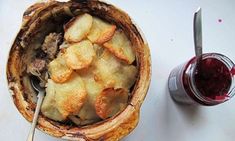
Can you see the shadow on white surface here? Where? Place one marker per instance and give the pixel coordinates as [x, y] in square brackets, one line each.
[174, 118]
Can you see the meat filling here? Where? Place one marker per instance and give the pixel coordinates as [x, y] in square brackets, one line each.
[38, 65]
[51, 45]
[45, 54]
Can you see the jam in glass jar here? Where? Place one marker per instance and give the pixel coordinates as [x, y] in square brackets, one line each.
[207, 81]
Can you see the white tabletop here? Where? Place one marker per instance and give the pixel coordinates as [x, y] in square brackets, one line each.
[167, 25]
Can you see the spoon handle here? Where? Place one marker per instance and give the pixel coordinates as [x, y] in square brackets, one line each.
[35, 117]
[197, 27]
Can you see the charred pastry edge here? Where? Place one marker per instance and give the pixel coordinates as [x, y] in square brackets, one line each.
[121, 124]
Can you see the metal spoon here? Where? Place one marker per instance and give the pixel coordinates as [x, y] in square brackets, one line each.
[41, 93]
[197, 30]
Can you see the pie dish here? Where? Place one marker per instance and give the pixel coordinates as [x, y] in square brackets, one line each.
[47, 17]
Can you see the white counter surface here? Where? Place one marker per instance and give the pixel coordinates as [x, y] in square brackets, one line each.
[167, 25]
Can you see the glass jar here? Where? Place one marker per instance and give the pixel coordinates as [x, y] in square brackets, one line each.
[207, 81]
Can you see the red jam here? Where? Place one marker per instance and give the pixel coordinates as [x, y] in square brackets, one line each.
[233, 71]
[208, 81]
[213, 79]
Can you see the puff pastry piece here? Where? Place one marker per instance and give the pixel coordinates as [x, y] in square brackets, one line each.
[49, 106]
[79, 55]
[78, 28]
[121, 47]
[101, 31]
[64, 99]
[87, 114]
[113, 73]
[111, 101]
[58, 70]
